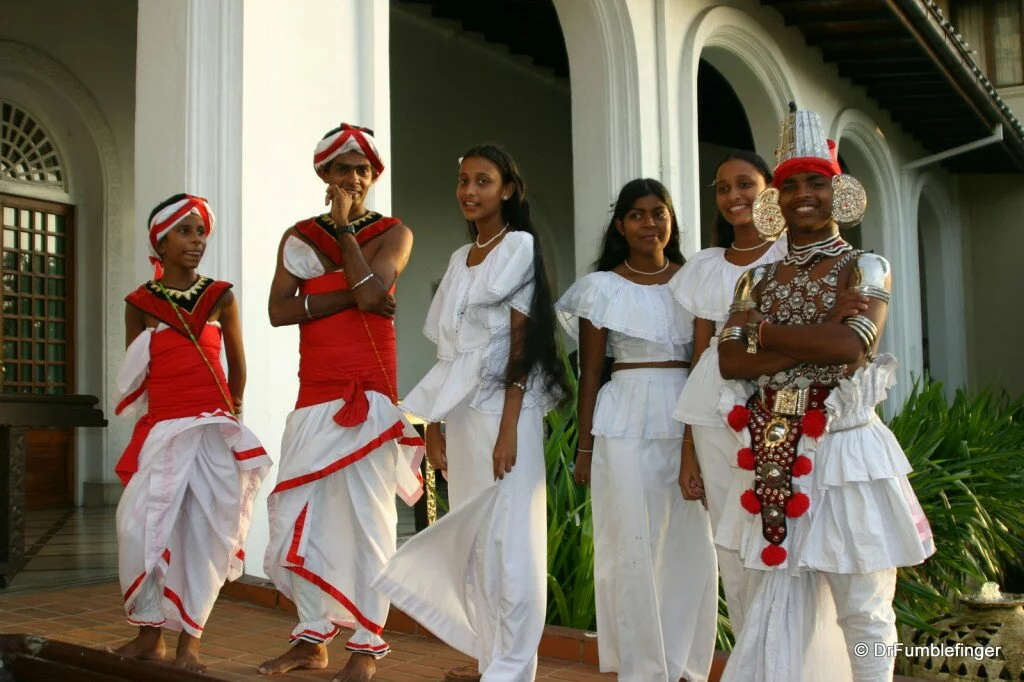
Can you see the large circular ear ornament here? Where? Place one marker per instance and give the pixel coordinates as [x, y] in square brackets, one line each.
[768, 220]
[849, 200]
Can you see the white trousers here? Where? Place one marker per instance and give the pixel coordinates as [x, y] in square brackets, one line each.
[655, 580]
[477, 578]
[790, 631]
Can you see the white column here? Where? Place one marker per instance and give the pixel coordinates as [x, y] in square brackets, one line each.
[306, 67]
[606, 136]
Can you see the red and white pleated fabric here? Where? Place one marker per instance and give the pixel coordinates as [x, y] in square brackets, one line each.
[347, 138]
[186, 509]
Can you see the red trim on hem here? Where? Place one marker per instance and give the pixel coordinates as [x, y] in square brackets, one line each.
[323, 637]
[134, 586]
[293, 548]
[392, 433]
[368, 647]
[338, 596]
[176, 600]
[143, 623]
[414, 441]
[250, 453]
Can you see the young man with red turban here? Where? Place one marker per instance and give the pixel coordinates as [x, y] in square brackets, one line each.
[347, 448]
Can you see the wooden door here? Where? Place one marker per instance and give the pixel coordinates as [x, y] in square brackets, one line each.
[37, 333]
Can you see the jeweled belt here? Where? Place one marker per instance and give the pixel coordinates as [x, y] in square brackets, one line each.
[776, 420]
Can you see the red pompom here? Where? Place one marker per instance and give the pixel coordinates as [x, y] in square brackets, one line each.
[773, 555]
[797, 505]
[814, 423]
[745, 459]
[750, 502]
[802, 466]
[738, 418]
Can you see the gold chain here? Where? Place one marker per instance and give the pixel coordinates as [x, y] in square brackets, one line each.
[188, 330]
[380, 361]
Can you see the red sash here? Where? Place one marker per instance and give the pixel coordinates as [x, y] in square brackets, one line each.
[344, 355]
[179, 382]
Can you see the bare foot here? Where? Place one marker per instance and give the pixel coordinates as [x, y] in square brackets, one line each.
[360, 668]
[148, 645]
[302, 654]
[187, 655]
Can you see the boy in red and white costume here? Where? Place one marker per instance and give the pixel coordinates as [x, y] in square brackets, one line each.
[347, 448]
[191, 470]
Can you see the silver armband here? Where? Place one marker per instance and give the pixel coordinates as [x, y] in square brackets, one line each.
[732, 334]
[869, 276]
[865, 329]
[743, 295]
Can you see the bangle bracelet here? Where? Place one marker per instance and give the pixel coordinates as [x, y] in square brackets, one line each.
[305, 304]
[361, 282]
[760, 333]
[521, 386]
[583, 450]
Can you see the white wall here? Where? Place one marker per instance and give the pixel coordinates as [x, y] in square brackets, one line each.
[449, 91]
[71, 63]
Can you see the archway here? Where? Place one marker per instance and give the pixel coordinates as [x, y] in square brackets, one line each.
[943, 341]
[738, 48]
[72, 117]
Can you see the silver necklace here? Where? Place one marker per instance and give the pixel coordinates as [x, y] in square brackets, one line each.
[833, 245]
[487, 243]
[641, 272]
[749, 248]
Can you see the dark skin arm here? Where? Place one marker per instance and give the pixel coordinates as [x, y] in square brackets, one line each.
[736, 363]
[593, 342]
[690, 482]
[386, 264]
[507, 446]
[828, 343]
[286, 306]
[231, 329]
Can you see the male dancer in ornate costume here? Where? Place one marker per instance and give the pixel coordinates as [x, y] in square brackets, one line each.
[347, 449]
[192, 470]
[822, 500]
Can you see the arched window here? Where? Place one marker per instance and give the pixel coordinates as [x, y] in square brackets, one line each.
[36, 262]
[26, 153]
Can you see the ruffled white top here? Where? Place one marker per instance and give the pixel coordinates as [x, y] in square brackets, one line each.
[704, 287]
[645, 324]
[864, 515]
[470, 321]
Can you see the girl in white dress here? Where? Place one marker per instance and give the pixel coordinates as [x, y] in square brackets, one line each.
[478, 577]
[704, 287]
[654, 563]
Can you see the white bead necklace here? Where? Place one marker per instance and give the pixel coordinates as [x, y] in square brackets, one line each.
[488, 242]
[641, 272]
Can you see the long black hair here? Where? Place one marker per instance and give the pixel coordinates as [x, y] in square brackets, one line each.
[614, 248]
[724, 232]
[539, 348]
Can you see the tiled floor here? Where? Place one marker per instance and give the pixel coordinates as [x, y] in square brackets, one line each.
[68, 546]
[79, 545]
[238, 637]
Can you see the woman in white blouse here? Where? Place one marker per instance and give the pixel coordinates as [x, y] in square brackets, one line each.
[704, 287]
[654, 563]
[478, 577]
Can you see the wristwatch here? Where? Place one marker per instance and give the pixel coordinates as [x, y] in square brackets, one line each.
[347, 229]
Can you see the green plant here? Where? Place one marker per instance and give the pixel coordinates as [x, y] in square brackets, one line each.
[968, 474]
[570, 525]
